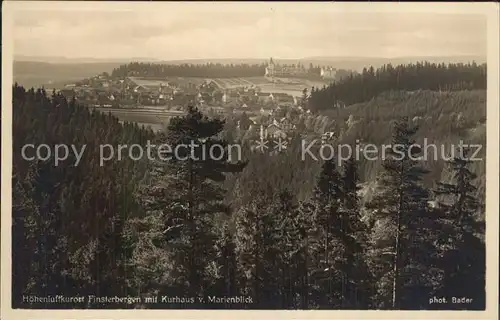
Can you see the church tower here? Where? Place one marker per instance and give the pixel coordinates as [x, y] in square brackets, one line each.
[270, 68]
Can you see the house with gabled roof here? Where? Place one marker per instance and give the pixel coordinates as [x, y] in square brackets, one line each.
[274, 130]
[230, 96]
[282, 97]
[263, 97]
[286, 124]
[140, 89]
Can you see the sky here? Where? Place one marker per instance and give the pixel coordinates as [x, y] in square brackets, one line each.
[174, 32]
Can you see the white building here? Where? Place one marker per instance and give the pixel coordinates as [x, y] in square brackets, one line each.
[328, 73]
[277, 70]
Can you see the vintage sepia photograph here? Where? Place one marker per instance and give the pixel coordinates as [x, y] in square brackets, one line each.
[249, 156]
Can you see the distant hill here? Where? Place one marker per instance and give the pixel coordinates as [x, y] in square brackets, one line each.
[34, 74]
[37, 71]
[340, 62]
[358, 63]
[66, 60]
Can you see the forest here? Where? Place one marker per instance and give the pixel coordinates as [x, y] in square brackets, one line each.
[371, 82]
[218, 228]
[209, 70]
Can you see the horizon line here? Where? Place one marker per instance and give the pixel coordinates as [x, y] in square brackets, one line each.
[17, 56]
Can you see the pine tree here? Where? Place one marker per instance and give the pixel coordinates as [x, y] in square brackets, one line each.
[256, 249]
[26, 230]
[400, 209]
[462, 251]
[356, 279]
[289, 239]
[189, 195]
[337, 246]
[303, 100]
[69, 218]
[325, 245]
[272, 245]
[224, 268]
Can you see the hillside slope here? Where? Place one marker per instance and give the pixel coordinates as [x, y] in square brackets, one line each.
[444, 120]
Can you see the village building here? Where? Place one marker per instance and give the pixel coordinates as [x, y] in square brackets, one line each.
[286, 124]
[140, 89]
[276, 129]
[209, 86]
[230, 96]
[284, 99]
[328, 73]
[247, 97]
[272, 131]
[277, 70]
[217, 110]
[327, 136]
[263, 97]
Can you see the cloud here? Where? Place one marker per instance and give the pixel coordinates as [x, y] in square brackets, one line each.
[183, 34]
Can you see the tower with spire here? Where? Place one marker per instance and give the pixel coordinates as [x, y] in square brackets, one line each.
[270, 69]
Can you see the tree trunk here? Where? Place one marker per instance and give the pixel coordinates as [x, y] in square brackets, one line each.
[193, 278]
[305, 279]
[397, 258]
[397, 253]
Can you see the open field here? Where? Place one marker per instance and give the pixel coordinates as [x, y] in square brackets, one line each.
[148, 82]
[223, 83]
[292, 86]
[291, 89]
[177, 80]
[153, 126]
[38, 71]
[144, 115]
[292, 83]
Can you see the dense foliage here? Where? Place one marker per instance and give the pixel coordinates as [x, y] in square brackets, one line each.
[443, 118]
[147, 228]
[67, 220]
[420, 76]
[209, 70]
